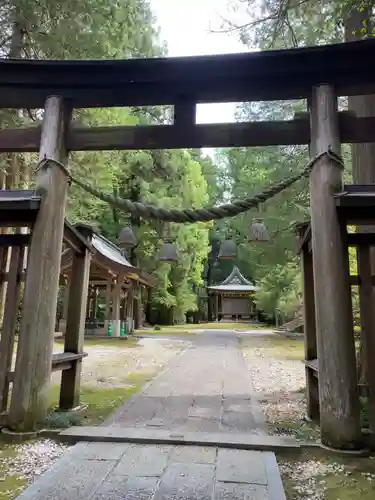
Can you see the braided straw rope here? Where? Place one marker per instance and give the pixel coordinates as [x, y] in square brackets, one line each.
[194, 215]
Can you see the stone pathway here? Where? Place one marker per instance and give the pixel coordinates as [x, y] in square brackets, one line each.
[204, 390]
[103, 471]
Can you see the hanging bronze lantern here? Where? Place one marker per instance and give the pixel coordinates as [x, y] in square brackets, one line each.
[228, 250]
[259, 232]
[168, 252]
[126, 237]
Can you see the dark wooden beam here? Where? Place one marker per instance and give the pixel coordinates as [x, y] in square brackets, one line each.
[304, 231]
[14, 240]
[74, 239]
[355, 280]
[352, 130]
[4, 276]
[360, 239]
[356, 200]
[354, 239]
[252, 76]
[185, 113]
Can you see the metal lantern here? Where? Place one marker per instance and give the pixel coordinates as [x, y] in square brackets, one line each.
[168, 252]
[259, 232]
[126, 237]
[228, 250]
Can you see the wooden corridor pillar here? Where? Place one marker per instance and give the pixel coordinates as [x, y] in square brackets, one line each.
[75, 329]
[137, 307]
[64, 315]
[366, 300]
[116, 298]
[338, 392]
[31, 387]
[311, 352]
[130, 309]
[107, 311]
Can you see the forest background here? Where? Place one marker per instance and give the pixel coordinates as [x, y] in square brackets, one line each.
[101, 29]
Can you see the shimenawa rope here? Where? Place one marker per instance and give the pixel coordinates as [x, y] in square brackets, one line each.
[193, 215]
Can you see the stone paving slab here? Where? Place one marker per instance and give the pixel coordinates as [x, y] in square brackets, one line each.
[134, 488]
[193, 454]
[102, 451]
[186, 481]
[235, 491]
[143, 461]
[241, 466]
[76, 479]
[154, 472]
[245, 441]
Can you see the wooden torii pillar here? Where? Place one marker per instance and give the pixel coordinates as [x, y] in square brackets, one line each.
[31, 386]
[338, 392]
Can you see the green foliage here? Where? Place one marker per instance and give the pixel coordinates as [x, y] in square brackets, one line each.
[273, 266]
[280, 291]
[63, 420]
[84, 29]
[188, 189]
[279, 24]
[102, 29]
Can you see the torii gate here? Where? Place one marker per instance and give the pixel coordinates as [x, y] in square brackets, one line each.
[318, 74]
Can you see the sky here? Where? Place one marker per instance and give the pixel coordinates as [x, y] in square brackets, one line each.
[185, 27]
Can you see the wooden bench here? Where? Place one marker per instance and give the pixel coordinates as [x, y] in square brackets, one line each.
[312, 376]
[312, 388]
[313, 364]
[64, 360]
[60, 361]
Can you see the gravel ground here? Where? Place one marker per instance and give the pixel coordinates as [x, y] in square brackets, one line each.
[110, 365]
[278, 378]
[27, 461]
[314, 479]
[307, 478]
[278, 381]
[32, 459]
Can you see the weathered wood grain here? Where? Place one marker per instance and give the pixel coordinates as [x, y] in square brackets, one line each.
[247, 77]
[31, 385]
[9, 322]
[75, 329]
[338, 391]
[309, 331]
[186, 134]
[366, 301]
